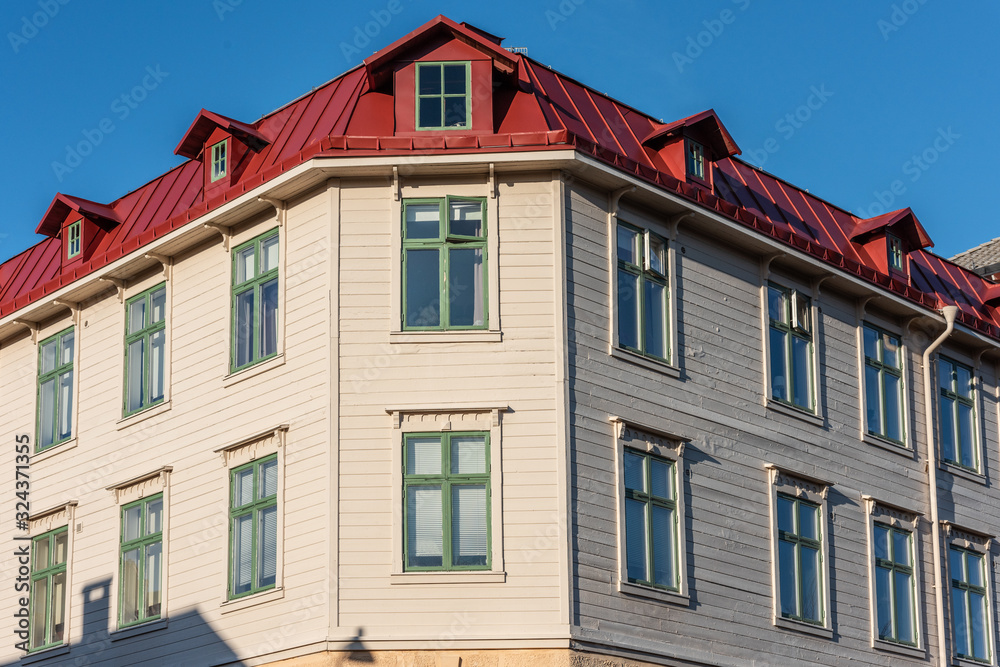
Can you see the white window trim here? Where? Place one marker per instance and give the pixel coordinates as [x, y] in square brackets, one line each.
[808, 488]
[909, 520]
[448, 417]
[978, 476]
[869, 318]
[430, 190]
[265, 443]
[37, 336]
[981, 543]
[129, 291]
[644, 439]
[43, 522]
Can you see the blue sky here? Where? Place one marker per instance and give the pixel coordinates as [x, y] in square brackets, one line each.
[871, 104]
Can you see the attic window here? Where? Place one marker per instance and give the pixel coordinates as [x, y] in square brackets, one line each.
[218, 160]
[73, 237]
[443, 96]
[895, 252]
[695, 160]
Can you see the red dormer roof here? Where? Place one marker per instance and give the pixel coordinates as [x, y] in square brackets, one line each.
[203, 126]
[61, 206]
[377, 63]
[705, 126]
[903, 223]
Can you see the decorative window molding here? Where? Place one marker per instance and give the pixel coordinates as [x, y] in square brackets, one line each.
[140, 486]
[50, 524]
[798, 510]
[970, 571]
[253, 447]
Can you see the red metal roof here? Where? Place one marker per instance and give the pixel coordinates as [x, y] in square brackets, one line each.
[541, 110]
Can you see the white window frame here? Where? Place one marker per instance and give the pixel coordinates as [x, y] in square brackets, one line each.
[877, 511]
[643, 439]
[451, 417]
[980, 543]
[906, 448]
[810, 489]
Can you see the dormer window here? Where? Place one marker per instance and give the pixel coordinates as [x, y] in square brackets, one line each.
[895, 247]
[219, 160]
[74, 236]
[443, 96]
[695, 160]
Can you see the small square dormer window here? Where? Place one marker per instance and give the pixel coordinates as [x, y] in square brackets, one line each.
[695, 160]
[74, 236]
[895, 247]
[443, 96]
[219, 160]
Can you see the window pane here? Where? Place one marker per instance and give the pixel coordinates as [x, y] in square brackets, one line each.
[244, 327]
[245, 265]
[65, 405]
[267, 537]
[904, 607]
[66, 354]
[881, 538]
[269, 318]
[454, 79]
[872, 400]
[657, 255]
[807, 521]
[890, 351]
[423, 221]
[423, 456]
[974, 569]
[963, 381]
[268, 479]
[39, 597]
[802, 366]
[947, 428]
[133, 520]
[60, 541]
[137, 315]
[803, 316]
[48, 357]
[776, 308]
[430, 80]
[157, 361]
[158, 305]
[871, 343]
[465, 287]
[430, 112]
[635, 539]
[454, 111]
[883, 601]
[46, 413]
[242, 553]
[468, 525]
[811, 596]
[269, 254]
[628, 309]
[655, 304]
[661, 478]
[154, 517]
[466, 218]
[787, 572]
[901, 547]
[58, 608]
[135, 371]
[977, 604]
[423, 288]
[663, 546]
[42, 553]
[635, 474]
[628, 245]
[959, 615]
[468, 455]
[965, 427]
[956, 563]
[424, 527]
[945, 374]
[130, 586]
[154, 565]
[893, 407]
[243, 487]
[786, 515]
[779, 386]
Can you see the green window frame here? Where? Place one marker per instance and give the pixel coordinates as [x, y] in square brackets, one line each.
[253, 527]
[443, 96]
[47, 602]
[643, 292]
[970, 605]
[145, 349]
[74, 239]
[447, 501]
[220, 164]
[652, 522]
[140, 584]
[54, 421]
[895, 585]
[884, 384]
[791, 347]
[895, 251]
[800, 560]
[445, 264]
[255, 301]
[957, 414]
[695, 155]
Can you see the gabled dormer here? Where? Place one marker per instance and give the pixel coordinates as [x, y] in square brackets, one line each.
[80, 224]
[442, 77]
[225, 145]
[888, 239]
[688, 147]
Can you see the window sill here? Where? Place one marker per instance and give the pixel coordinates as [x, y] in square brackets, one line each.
[445, 336]
[801, 626]
[252, 600]
[976, 477]
[792, 411]
[140, 629]
[49, 452]
[473, 577]
[137, 417]
[887, 445]
[902, 649]
[637, 590]
[30, 658]
[645, 362]
[253, 371]
[969, 662]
